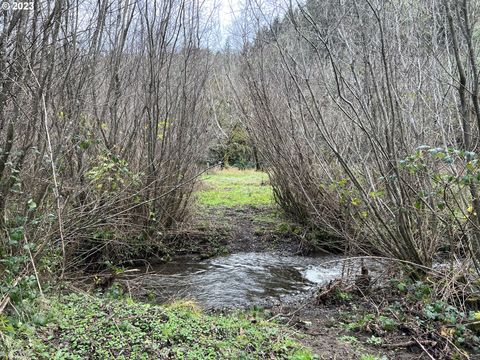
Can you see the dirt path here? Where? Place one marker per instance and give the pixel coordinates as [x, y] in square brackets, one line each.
[250, 229]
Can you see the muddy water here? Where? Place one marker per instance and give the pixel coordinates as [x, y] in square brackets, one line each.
[238, 280]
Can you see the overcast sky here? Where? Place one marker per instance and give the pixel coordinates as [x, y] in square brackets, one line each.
[227, 18]
[228, 9]
[224, 13]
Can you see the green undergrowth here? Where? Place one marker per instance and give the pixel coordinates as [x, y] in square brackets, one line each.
[79, 326]
[411, 310]
[232, 187]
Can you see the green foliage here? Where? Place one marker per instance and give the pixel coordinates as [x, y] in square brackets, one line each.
[272, 219]
[348, 339]
[375, 340]
[236, 151]
[81, 326]
[450, 171]
[387, 324]
[371, 357]
[14, 258]
[111, 174]
[360, 323]
[441, 311]
[435, 316]
[343, 295]
[420, 290]
[232, 187]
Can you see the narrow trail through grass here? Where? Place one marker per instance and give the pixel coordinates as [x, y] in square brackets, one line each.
[240, 205]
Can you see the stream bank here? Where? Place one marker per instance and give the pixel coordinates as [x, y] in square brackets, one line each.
[240, 252]
[260, 260]
[240, 262]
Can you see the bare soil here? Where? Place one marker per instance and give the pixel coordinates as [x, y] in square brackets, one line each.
[319, 327]
[248, 229]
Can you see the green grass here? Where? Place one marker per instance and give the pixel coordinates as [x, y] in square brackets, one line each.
[81, 326]
[371, 357]
[233, 187]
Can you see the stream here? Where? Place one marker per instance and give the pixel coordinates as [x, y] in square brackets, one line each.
[237, 280]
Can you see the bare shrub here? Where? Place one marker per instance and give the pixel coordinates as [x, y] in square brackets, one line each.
[102, 116]
[359, 96]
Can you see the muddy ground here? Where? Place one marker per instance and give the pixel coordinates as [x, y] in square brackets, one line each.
[248, 229]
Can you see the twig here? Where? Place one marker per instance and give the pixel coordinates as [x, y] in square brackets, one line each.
[33, 265]
[460, 351]
[290, 313]
[384, 258]
[6, 297]
[55, 184]
[423, 348]
[410, 343]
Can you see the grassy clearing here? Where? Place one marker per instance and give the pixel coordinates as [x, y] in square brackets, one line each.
[232, 187]
[81, 326]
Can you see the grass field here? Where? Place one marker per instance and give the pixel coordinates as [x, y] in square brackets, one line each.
[233, 187]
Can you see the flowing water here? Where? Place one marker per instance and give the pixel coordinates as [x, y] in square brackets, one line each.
[238, 280]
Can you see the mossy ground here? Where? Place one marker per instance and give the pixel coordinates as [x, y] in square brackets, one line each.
[79, 326]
